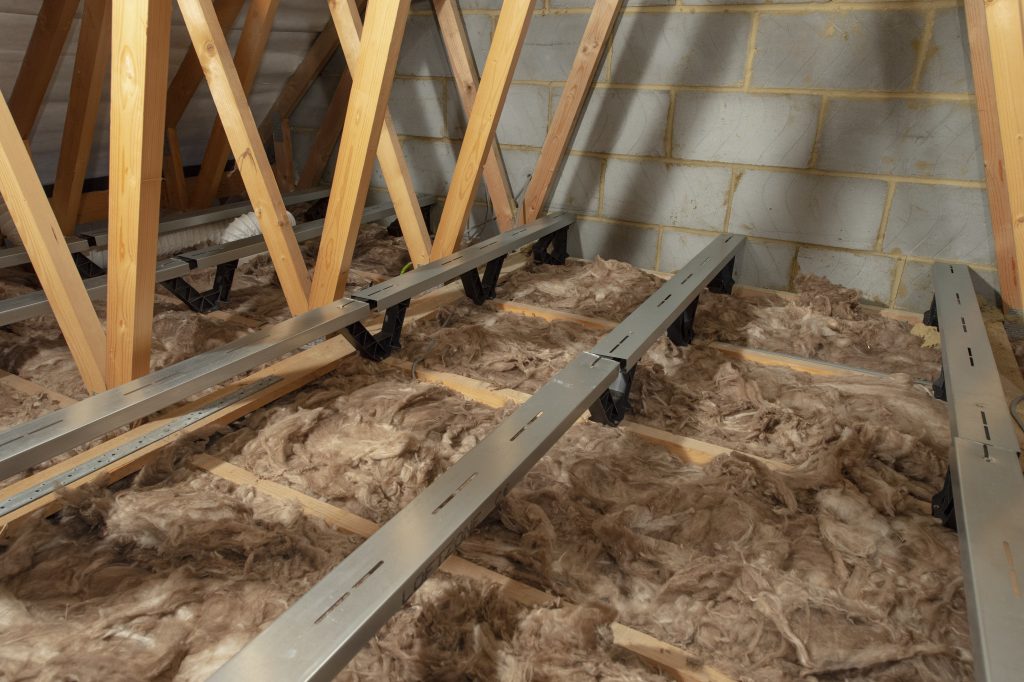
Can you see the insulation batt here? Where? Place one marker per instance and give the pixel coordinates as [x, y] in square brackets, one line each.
[824, 321]
[172, 575]
[808, 553]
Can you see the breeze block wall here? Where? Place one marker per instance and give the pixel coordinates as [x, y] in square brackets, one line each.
[841, 137]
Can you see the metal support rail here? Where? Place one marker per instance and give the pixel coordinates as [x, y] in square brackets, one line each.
[671, 308]
[170, 271]
[318, 635]
[327, 626]
[985, 485]
[94, 235]
[40, 439]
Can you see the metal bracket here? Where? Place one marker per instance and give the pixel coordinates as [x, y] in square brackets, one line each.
[552, 249]
[611, 407]
[943, 507]
[931, 316]
[680, 332]
[480, 289]
[939, 386]
[723, 282]
[378, 346]
[205, 301]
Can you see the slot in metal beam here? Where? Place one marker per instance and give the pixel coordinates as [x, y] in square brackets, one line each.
[987, 483]
[327, 626]
[630, 340]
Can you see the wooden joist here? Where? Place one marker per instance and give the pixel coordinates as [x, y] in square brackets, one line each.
[138, 100]
[250, 156]
[464, 69]
[571, 104]
[92, 62]
[37, 226]
[259, 22]
[389, 149]
[372, 76]
[483, 121]
[44, 49]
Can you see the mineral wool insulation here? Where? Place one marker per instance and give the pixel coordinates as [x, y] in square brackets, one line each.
[808, 551]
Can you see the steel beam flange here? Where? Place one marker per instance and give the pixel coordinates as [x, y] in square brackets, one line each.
[983, 494]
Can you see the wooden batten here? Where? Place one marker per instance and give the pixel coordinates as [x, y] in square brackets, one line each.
[92, 63]
[463, 65]
[138, 100]
[571, 105]
[250, 156]
[483, 121]
[372, 75]
[37, 226]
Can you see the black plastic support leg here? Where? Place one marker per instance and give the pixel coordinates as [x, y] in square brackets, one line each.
[483, 289]
[723, 281]
[378, 346]
[205, 301]
[86, 268]
[942, 503]
[931, 316]
[612, 406]
[680, 332]
[939, 386]
[552, 249]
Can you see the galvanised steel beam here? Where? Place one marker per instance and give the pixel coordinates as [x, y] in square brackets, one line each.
[985, 478]
[326, 627]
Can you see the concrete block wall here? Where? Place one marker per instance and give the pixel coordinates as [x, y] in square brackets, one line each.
[841, 137]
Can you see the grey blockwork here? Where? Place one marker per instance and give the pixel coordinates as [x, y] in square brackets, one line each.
[719, 126]
[666, 194]
[947, 66]
[809, 208]
[765, 264]
[902, 137]
[914, 290]
[844, 51]
[679, 248]
[623, 122]
[870, 274]
[637, 245]
[945, 223]
[524, 120]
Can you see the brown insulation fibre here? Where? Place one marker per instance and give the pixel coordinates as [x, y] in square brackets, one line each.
[367, 438]
[170, 576]
[831, 570]
[522, 352]
[35, 349]
[824, 321]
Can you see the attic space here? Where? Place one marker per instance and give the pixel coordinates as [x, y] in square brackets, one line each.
[529, 340]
